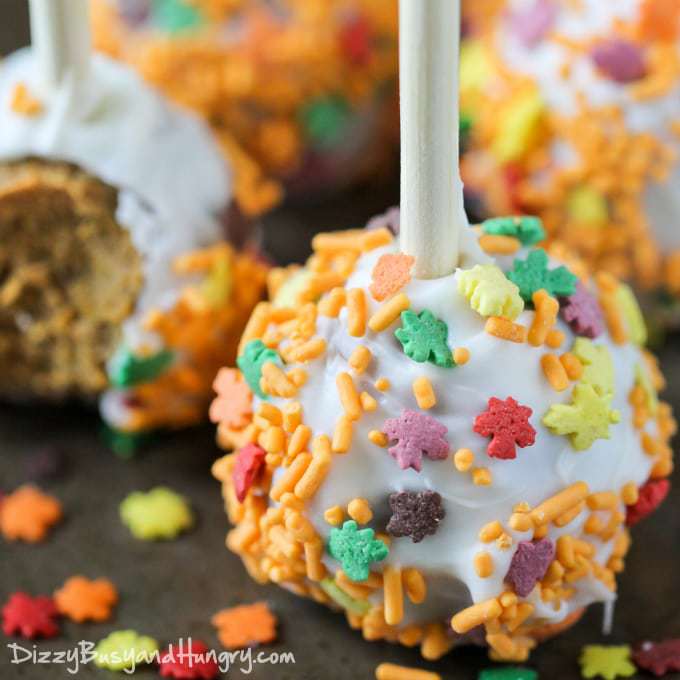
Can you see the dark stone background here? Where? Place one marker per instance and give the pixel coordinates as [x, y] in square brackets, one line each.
[171, 589]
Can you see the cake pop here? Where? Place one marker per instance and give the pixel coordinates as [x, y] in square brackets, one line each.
[575, 110]
[116, 277]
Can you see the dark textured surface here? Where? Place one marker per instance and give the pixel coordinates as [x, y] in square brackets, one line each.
[171, 589]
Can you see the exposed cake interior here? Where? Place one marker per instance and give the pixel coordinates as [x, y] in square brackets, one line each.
[69, 277]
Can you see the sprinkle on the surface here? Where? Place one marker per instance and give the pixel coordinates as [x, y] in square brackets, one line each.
[463, 459]
[555, 372]
[291, 416]
[28, 514]
[416, 514]
[650, 496]
[277, 384]
[342, 435]
[606, 662]
[424, 393]
[247, 468]
[582, 312]
[630, 493]
[489, 292]
[658, 658]
[520, 521]
[533, 274]
[483, 563]
[499, 245]
[245, 625]
[307, 351]
[620, 60]
[572, 365]
[382, 384]
[24, 103]
[461, 355]
[81, 599]
[414, 585]
[393, 595]
[529, 565]
[334, 515]
[529, 230]
[124, 649]
[378, 438]
[545, 316]
[340, 597]
[505, 329]
[555, 338]
[585, 420]
[391, 273]
[317, 470]
[299, 439]
[635, 321]
[558, 504]
[356, 549]
[476, 615]
[507, 423]
[360, 510]
[390, 671]
[331, 304]
[356, 312]
[368, 402]
[349, 397]
[424, 338]
[417, 435]
[490, 532]
[481, 476]
[609, 288]
[388, 313]
[360, 359]
[255, 355]
[30, 617]
[156, 514]
[598, 366]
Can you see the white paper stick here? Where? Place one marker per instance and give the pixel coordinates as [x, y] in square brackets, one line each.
[60, 31]
[432, 213]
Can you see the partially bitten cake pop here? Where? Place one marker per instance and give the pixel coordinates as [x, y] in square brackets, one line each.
[116, 276]
[575, 112]
[300, 94]
[444, 435]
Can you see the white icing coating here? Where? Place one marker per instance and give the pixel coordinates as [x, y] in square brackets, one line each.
[496, 368]
[653, 115]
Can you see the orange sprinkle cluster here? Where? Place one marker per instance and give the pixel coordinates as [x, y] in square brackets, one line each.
[27, 514]
[206, 334]
[254, 87]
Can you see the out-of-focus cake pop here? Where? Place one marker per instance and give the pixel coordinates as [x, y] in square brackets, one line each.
[116, 277]
[575, 111]
[447, 434]
[300, 94]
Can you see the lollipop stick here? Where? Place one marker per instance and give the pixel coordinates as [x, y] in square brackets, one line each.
[432, 213]
[60, 31]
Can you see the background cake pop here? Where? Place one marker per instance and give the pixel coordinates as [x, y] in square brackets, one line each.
[447, 443]
[116, 275]
[300, 94]
[574, 110]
